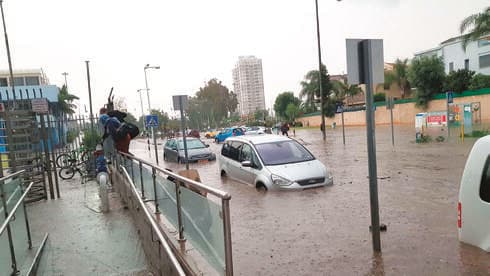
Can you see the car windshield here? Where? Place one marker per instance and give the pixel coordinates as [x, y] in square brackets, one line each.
[283, 152]
[191, 144]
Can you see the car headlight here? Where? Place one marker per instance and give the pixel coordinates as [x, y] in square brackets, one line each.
[280, 181]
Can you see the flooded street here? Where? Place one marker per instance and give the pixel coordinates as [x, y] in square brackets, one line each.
[325, 231]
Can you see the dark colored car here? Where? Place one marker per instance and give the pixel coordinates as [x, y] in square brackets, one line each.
[196, 150]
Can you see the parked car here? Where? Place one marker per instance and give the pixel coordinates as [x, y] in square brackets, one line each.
[474, 197]
[254, 130]
[228, 132]
[210, 133]
[271, 161]
[196, 150]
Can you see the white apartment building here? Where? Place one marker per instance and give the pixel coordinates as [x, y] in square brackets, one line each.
[248, 83]
[475, 58]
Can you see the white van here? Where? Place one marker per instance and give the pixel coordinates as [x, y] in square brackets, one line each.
[474, 197]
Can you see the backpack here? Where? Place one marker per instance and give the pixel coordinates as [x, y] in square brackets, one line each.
[128, 128]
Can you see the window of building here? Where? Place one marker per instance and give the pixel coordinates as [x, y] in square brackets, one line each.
[484, 42]
[467, 64]
[3, 82]
[451, 66]
[32, 80]
[485, 182]
[19, 81]
[484, 60]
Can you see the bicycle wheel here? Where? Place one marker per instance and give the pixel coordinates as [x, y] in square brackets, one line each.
[66, 173]
[84, 156]
[63, 160]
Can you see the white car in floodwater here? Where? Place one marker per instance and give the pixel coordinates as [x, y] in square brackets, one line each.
[474, 197]
[271, 162]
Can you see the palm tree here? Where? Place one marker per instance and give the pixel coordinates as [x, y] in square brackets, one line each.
[342, 90]
[310, 88]
[399, 76]
[477, 26]
[65, 102]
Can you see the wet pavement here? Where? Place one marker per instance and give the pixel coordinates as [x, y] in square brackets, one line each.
[325, 231]
[82, 240]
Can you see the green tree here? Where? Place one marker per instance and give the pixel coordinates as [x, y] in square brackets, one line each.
[342, 90]
[458, 81]
[260, 115]
[427, 75]
[399, 76]
[476, 26]
[214, 102]
[480, 81]
[65, 102]
[310, 90]
[292, 112]
[282, 102]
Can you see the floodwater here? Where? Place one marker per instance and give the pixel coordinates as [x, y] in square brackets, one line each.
[325, 231]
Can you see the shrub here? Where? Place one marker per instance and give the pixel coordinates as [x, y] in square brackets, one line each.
[458, 81]
[379, 97]
[91, 138]
[480, 81]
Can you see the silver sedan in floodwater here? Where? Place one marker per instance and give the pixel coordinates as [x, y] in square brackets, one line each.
[272, 161]
[197, 151]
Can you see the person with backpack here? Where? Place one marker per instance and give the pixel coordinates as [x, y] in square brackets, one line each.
[113, 128]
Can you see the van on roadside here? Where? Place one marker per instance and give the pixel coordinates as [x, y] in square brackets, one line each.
[474, 197]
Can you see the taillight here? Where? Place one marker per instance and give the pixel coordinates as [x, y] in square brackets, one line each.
[459, 214]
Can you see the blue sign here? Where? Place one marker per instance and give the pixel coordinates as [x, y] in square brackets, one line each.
[151, 121]
[449, 97]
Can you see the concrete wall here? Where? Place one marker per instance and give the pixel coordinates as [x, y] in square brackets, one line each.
[454, 53]
[402, 113]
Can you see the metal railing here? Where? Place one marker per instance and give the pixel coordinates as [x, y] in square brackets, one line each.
[7, 197]
[185, 204]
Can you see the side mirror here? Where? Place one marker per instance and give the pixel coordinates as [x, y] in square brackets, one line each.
[247, 163]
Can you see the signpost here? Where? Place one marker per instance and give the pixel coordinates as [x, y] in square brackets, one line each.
[151, 121]
[340, 109]
[390, 105]
[365, 65]
[180, 103]
[449, 100]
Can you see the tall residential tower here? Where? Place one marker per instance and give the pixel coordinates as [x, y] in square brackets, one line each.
[248, 83]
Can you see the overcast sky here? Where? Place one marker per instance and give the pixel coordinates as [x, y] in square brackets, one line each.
[196, 40]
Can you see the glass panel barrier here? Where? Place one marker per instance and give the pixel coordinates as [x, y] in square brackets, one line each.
[19, 229]
[137, 176]
[203, 226]
[166, 199]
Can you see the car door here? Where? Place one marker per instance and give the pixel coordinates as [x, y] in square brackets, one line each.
[248, 174]
[233, 163]
[172, 150]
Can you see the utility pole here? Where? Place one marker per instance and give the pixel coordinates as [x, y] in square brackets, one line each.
[90, 98]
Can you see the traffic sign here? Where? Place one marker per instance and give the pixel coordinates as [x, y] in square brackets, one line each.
[339, 107]
[151, 121]
[449, 97]
[40, 105]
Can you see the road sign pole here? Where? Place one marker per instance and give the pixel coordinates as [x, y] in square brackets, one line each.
[371, 145]
[343, 127]
[182, 119]
[390, 103]
[448, 99]
[155, 142]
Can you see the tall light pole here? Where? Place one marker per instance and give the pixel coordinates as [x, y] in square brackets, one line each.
[146, 83]
[147, 66]
[141, 101]
[66, 82]
[322, 111]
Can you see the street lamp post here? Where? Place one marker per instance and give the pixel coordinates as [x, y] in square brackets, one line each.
[141, 101]
[147, 66]
[65, 74]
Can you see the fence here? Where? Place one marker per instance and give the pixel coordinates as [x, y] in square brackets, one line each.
[186, 206]
[15, 234]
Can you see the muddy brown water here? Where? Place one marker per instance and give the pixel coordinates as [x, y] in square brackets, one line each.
[325, 231]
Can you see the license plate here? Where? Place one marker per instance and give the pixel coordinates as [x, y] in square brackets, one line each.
[202, 161]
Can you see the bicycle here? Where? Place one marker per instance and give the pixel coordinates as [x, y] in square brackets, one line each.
[65, 159]
[69, 171]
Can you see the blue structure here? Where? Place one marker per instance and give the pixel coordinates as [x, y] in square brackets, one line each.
[27, 92]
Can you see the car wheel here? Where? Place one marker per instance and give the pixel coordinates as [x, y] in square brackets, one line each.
[164, 157]
[260, 187]
[216, 140]
[223, 173]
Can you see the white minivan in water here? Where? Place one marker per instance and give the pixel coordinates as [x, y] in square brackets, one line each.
[474, 197]
[271, 162]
